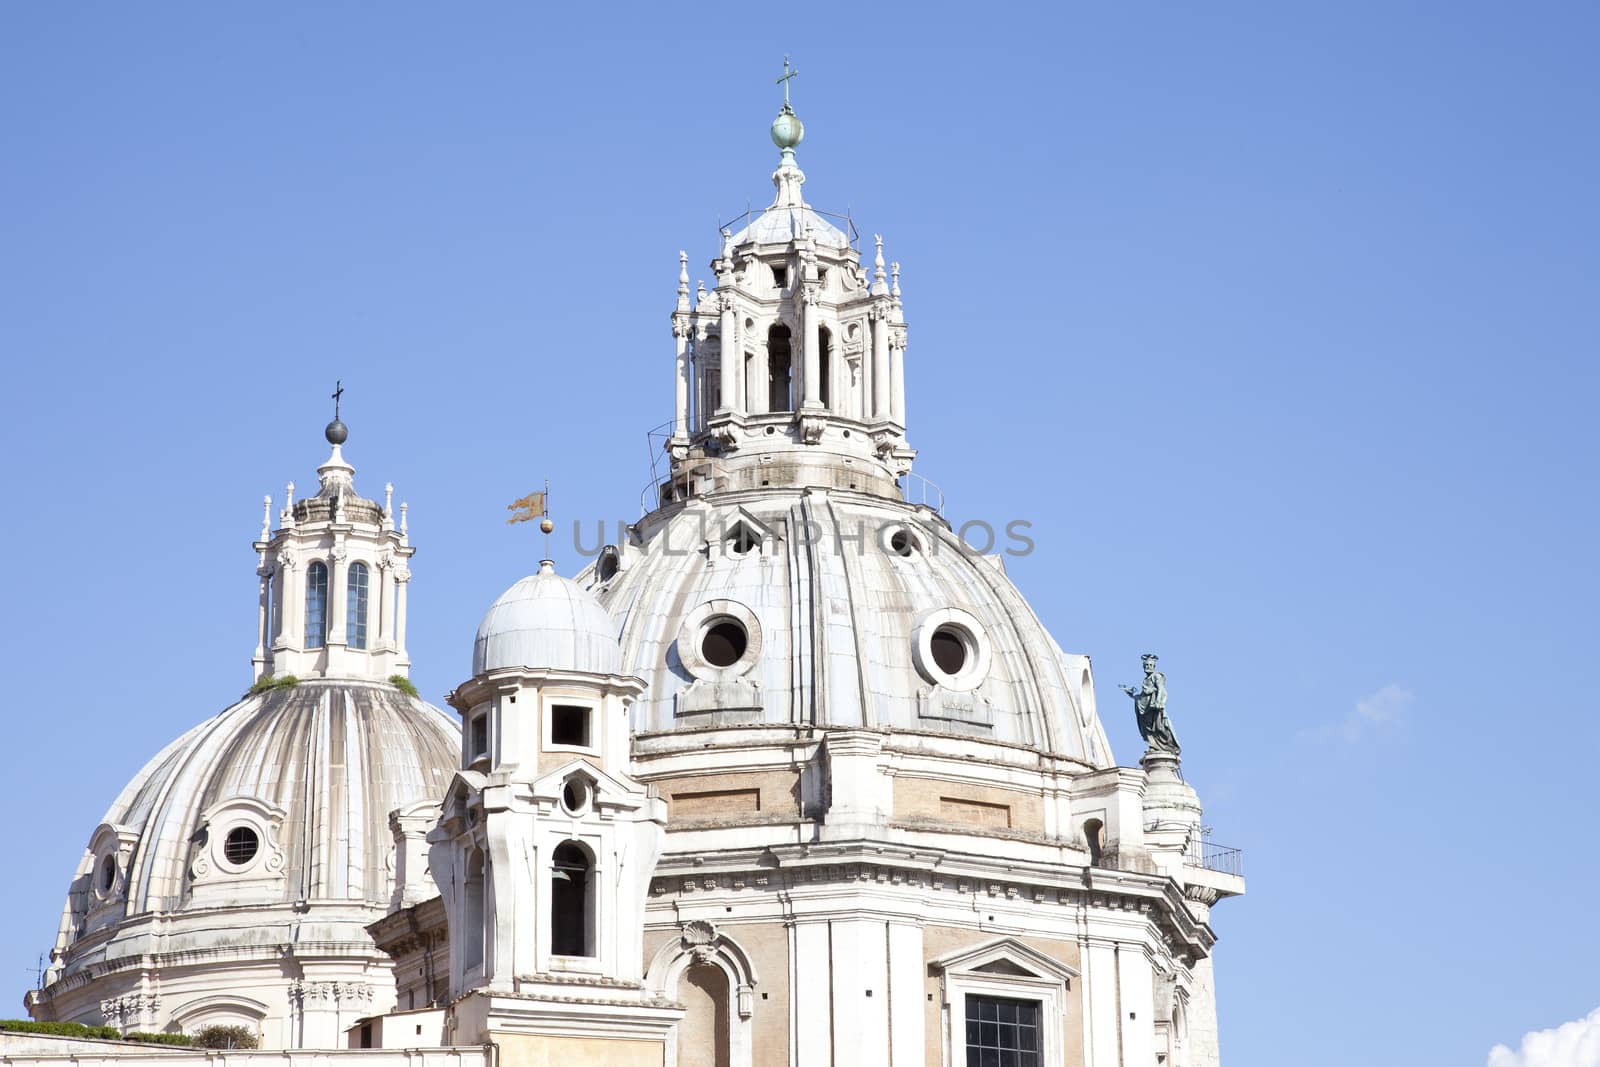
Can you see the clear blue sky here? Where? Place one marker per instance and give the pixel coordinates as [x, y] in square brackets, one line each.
[1277, 321]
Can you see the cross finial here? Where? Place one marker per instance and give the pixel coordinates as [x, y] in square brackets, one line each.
[784, 81]
[338, 392]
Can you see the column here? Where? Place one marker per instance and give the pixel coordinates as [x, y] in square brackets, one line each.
[336, 595]
[385, 603]
[1099, 985]
[811, 994]
[263, 611]
[291, 606]
[1136, 1004]
[813, 347]
[402, 577]
[881, 384]
[897, 377]
[907, 977]
[731, 392]
[680, 411]
[860, 963]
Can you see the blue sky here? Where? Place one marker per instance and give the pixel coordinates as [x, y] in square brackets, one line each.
[1277, 322]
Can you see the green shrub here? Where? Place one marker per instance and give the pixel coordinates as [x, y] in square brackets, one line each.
[159, 1039]
[267, 681]
[28, 1026]
[226, 1037]
[402, 683]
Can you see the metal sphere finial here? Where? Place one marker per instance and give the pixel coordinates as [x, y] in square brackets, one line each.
[337, 432]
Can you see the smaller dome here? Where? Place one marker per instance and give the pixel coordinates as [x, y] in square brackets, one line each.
[546, 621]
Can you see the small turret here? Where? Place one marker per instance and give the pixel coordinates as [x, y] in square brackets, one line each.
[333, 579]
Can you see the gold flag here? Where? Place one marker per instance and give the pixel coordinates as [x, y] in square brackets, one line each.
[527, 509]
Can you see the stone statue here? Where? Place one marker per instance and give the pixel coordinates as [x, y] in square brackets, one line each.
[1150, 708]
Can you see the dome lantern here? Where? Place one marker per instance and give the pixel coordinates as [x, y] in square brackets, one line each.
[333, 578]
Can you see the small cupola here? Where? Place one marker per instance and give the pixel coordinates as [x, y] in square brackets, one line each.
[333, 578]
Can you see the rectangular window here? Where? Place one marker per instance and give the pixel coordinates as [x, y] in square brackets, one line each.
[1002, 1032]
[479, 745]
[569, 725]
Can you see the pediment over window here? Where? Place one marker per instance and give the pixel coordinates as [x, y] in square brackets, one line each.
[736, 533]
[1006, 956]
[606, 792]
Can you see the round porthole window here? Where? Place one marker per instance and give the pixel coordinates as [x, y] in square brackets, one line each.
[724, 643]
[240, 846]
[950, 649]
[719, 640]
[900, 543]
[575, 795]
[108, 874]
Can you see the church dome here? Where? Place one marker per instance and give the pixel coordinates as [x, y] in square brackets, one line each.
[770, 609]
[262, 826]
[546, 621]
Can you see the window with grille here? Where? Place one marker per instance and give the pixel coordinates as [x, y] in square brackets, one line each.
[355, 613]
[316, 604]
[1002, 1032]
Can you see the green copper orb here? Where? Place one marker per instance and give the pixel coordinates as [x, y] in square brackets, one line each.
[787, 129]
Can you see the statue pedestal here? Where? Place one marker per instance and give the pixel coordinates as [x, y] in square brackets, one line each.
[1168, 799]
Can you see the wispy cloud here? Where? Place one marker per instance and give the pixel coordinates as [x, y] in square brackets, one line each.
[1574, 1044]
[1377, 713]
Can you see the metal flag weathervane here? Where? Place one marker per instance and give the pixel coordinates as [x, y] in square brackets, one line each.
[534, 506]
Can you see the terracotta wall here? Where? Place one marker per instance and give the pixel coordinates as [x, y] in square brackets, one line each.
[522, 1050]
[990, 807]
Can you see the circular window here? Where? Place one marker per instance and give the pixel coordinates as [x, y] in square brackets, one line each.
[108, 874]
[575, 795]
[719, 640]
[950, 649]
[901, 544]
[724, 643]
[240, 846]
[949, 645]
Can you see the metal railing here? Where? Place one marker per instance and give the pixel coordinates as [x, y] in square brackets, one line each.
[852, 235]
[1203, 852]
[915, 489]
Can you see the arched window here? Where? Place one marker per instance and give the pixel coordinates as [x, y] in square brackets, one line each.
[572, 901]
[316, 605]
[778, 375]
[473, 934]
[1094, 837]
[355, 613]
[825, 363]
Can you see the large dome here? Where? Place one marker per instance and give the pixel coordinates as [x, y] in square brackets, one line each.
[259, 835]
[738, 620]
